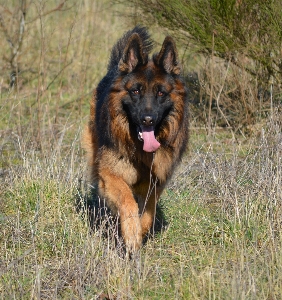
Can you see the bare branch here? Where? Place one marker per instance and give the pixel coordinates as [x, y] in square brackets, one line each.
[17, 47]
[6, 33]
[58, 8]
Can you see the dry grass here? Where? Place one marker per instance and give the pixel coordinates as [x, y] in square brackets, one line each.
[221, 237]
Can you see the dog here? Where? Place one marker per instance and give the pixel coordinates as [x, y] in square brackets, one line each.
[138, 130]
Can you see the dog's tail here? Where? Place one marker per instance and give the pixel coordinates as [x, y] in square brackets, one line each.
[118, 48]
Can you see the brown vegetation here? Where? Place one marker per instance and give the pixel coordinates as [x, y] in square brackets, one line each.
[219, 234]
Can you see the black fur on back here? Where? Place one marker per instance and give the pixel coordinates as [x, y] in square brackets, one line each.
[118, 48]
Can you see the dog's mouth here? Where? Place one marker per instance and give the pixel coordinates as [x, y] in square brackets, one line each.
[147, 135]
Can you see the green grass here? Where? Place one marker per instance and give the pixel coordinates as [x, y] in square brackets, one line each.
[221, 212]
[221, 240]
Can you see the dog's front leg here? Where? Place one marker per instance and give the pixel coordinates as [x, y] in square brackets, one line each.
[120, 199]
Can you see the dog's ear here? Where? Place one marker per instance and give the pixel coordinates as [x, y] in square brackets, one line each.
[168, 57]
[133, 54]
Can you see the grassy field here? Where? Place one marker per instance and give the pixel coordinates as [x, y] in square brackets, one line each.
[221, 214]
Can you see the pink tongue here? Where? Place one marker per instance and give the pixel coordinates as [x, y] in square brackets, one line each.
[150, 142]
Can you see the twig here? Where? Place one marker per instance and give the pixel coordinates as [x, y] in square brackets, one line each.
[15, 261]
[15, 46]
[75, 100]
[8, 38]
[218, 96]
[58, 8]
[211, 92]
[65, 66]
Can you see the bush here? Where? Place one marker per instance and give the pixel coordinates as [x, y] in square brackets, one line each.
[241, 44]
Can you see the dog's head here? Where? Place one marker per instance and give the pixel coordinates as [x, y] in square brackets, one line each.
[149, 85]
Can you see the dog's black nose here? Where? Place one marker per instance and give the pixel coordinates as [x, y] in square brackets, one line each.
[148, 120]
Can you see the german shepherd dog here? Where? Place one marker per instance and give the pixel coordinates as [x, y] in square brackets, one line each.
[138, 130]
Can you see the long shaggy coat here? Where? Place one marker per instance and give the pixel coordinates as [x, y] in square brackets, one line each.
[138, 130]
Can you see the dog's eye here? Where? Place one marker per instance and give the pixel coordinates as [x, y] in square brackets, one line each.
[136, 92]
[160, 94]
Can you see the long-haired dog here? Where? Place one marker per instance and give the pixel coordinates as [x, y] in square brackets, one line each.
[138, 130]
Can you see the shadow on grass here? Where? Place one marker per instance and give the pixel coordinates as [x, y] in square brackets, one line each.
[99, 216]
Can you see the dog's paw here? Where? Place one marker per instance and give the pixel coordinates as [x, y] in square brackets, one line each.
[132, 234]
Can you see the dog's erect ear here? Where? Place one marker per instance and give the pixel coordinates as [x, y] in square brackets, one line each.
[132, 55]
[168, 57]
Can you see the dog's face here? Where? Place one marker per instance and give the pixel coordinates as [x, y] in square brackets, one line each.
[149, 85]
